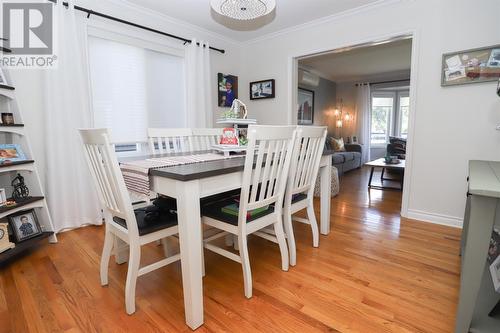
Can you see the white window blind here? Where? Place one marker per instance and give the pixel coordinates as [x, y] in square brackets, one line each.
[134, 88]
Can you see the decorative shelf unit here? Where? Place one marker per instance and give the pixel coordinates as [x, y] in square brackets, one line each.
[237, 122]
[23, 247]
[16, 134]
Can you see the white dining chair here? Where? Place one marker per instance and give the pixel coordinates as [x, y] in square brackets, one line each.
[308, 149]
[205, 138]
[136, 228]
[260, 202]
[169, 140]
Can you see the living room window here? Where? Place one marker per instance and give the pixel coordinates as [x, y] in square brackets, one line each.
[390, 110]
[133, 88]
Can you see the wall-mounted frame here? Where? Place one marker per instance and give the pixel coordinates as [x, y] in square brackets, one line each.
[262, 89]
[305, 112]
[471, 66]
[227, 89]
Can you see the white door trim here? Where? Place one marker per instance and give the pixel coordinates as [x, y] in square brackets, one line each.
[414, 35]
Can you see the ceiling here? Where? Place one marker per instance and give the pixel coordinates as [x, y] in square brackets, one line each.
[361, 63]
[288, 13]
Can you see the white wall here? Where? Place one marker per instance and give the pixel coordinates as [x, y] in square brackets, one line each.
[452, 125]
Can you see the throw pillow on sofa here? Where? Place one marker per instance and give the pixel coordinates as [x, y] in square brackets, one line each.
[338, 144]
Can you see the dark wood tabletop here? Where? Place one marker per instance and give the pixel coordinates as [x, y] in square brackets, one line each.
[187, 172]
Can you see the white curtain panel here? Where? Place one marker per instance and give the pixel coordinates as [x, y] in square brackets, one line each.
[69, 189]
[363, 118]
[198, 88]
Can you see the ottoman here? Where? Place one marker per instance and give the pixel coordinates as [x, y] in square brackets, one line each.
[335, 183]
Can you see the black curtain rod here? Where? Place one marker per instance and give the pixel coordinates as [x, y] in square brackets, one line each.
[382, 82]
[112, 18]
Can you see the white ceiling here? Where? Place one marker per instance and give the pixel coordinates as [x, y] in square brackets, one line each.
[288, 13]
[391, 59]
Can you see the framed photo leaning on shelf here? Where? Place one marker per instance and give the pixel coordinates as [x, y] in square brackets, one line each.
[25, 225]
[11, 152]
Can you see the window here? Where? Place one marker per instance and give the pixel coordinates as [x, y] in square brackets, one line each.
[134, 88]
[390, 112]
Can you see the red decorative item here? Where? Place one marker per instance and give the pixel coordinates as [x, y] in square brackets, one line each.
[229, 137]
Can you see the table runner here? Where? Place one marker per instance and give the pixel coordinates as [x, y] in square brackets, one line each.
[136, 173]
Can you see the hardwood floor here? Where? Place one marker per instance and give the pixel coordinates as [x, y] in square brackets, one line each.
[375, 272]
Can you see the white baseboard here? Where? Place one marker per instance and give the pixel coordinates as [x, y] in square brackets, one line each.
[450, 221]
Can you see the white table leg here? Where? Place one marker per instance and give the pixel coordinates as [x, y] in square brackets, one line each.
[326, 188]
[190, 228]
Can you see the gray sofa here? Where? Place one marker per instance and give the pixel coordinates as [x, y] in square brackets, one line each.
[347, 160]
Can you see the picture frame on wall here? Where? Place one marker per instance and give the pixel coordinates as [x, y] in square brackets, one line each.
[227, 87]
[305, 102]
[262, 89]
[471, 66]
[25, 225]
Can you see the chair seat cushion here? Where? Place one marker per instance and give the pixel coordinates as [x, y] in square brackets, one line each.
[151, 219]
[215, 210]
[298, 197]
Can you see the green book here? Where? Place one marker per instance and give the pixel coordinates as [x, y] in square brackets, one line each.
[233, 209]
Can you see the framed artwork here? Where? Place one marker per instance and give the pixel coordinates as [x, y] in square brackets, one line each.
[354, 139]
[25, 225]
[305, 113]
[471, 66]
[10, 152]
[227, 89]
[262, 89]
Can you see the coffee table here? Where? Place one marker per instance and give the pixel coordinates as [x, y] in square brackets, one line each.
[380, 163]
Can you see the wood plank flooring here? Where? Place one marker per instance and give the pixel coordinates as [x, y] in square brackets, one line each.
[375, 272]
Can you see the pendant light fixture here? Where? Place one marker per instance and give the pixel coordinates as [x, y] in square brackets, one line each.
[243, 10]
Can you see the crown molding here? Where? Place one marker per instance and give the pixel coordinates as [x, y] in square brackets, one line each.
[299, 27]
[172, 20]
[323, 20]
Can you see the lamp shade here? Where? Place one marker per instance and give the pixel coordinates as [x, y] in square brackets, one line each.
[243, 9]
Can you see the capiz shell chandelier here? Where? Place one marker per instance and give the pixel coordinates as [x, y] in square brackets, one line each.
[243, 10]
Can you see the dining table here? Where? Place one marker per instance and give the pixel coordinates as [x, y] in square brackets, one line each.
[188, 184]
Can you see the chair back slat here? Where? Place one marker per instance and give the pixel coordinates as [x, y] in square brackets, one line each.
[306, 158]
[205, 138]
[169, 140]
[107, 176]
[267, 163]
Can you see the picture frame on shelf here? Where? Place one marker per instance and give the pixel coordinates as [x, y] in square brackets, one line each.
[11, 152]
[227, 88]
[305, 112]
[25, 225]
[262, 89]
[5, 244]
[471, 66]
[354, 139]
